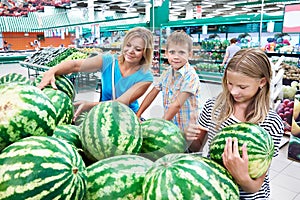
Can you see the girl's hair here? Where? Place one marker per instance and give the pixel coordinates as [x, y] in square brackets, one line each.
[180, 37]
[147, 37]
[254, 63]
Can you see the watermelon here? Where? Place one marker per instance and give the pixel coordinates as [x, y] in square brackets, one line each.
[260, 146]
[68, 132]
[41, 167]
[62, 82]
[63, 105]
[118, 177]
[110, 129]
[161, 137]
[14, 78]
[25, 111]
[183, 176]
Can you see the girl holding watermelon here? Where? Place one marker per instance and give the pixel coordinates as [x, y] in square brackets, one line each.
[130, 71]
[245, 98]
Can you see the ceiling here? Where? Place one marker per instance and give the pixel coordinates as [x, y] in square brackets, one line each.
[180, 8]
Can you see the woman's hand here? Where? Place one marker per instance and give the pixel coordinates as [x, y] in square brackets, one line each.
[48, 79]
[81, 107]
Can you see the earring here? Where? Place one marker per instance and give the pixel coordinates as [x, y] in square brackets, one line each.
[260, 87]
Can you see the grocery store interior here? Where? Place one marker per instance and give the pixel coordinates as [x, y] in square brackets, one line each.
[35, 33]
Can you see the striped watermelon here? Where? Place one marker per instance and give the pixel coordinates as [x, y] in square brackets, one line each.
[25, 111]
[183, 176]
[110, 128]
[260, 146]
[40, 167]
[161, 137]
[14, 78]
[62, 83]
[118, 177]
[69, 133]
[225, 179]
[62, 103]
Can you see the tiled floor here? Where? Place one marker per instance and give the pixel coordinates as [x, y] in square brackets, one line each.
[285, 174]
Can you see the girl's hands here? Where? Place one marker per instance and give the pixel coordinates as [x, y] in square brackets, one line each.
[235, 163]
[195, 132]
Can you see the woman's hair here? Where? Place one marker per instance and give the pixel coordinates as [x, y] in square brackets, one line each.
[253, 63]
[180, 37]
[147, 37]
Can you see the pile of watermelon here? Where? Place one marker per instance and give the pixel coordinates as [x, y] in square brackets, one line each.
[109, 155]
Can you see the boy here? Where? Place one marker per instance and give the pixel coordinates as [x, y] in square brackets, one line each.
[180, 84]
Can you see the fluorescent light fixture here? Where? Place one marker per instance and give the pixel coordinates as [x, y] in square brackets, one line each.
[236, 2]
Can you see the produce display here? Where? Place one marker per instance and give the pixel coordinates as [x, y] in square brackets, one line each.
[110, 154]
[41, 167]
[118, 177]
[25, 111]
[161, 137]
[183, 176]
[110, 129]
[260, 146]
[285, 111]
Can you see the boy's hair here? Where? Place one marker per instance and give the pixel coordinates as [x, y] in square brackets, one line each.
[233, 40]
[180, 37]
[147, 37]
[253, 63]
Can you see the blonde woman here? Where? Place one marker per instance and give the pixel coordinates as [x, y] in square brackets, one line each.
[132, 75]
[245, 98]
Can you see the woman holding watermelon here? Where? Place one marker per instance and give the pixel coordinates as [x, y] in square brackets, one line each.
[130, 71]
[245, 98]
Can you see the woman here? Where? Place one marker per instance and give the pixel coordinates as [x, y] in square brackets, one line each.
[132, 75]
[245, 98]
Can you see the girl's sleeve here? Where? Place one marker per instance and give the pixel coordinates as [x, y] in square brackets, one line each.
[274, 126]
[205, 115]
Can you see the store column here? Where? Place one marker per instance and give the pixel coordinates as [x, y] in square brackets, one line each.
[159, 13]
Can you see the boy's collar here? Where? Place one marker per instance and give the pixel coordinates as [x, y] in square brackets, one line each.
[182, 70]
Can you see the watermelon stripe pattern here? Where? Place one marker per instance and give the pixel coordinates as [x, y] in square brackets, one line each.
[118, 177]
[63, 105]
[14, 78]
[161, 137]
[62, 82]
[24, 111]
[260, 146]
[40, 167]
[69, 133]
[182, 176]
[110, 128]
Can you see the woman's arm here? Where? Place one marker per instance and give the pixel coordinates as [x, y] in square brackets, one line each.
[238, 166]
[133, 93]
[72, 66]
[147, 101]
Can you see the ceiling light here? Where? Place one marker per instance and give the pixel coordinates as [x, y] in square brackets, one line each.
[236, 2]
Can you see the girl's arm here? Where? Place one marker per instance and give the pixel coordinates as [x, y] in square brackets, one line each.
[195, 135]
